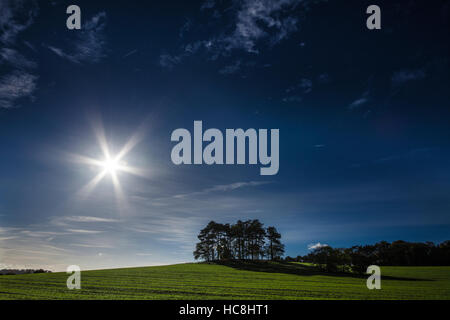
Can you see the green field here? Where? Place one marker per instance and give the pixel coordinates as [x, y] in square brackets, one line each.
[245, 281]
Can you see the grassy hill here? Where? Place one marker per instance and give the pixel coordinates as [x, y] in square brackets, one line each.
[233, 281]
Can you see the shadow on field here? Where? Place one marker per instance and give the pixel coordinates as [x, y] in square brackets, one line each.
[297, 269]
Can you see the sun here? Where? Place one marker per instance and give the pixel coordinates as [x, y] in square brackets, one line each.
[111, 166]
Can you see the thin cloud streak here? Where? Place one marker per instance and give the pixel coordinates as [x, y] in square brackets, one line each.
[89, 43]
[223, 188]
[84, 231]
[89, 219]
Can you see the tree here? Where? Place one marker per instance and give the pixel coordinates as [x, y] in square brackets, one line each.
[361, 258]
[397, 253]
[206, 249]
[243, 240]
[275, 248]
[327, 258]
[255, 236]
[237, 232]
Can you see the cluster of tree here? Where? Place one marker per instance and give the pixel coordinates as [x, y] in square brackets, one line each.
[22, 271]
[397, 253]
[242, 240]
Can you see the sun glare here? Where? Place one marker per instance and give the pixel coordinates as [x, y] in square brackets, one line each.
[110, 165]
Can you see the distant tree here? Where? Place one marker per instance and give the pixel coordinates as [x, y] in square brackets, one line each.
[40, 271]
[289, 259]
[397, 253]
[361, 258]
[330, 259]
[320, 256]
[381, 253]
[326, 258]
[443, 253]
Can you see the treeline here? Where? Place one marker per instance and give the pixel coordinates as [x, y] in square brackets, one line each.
[397, 253]
[242, 240]
[22, 271]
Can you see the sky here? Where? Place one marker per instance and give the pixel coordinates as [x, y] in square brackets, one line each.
[363, 117]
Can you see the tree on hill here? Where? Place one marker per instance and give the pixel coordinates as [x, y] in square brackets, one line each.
[238, 240]
[275, 248]
[256, 238]
[242, 240]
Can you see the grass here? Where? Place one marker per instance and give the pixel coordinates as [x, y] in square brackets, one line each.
[231, 281]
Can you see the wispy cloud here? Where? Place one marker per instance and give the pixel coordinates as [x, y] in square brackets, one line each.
[293, 98]
[223, 188]
[89, 219]
[296, 92]
[400, 77]
[259, 19]
[18, 81]
[14, 86]
[41, 234]
[360, 101]
[89, 44]
[15, 59]
[84, 231]
[232, 68]
[169, 61]
[15, 17]
[208, 4]
[414, 154]
[130, 53]
[357, 103]
[324, 78]
[185, 28]
[7, 238]
[252, 26]
[304, 86]
[62, 245]
[90, 245]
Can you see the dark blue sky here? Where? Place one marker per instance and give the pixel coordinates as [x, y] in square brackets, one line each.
[363, 118]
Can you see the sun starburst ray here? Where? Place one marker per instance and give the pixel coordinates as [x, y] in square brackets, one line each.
[87, 189]
[110, 165]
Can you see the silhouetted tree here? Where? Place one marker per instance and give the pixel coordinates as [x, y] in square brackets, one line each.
[238, 239]
[275, 248]
[397, 253]
[256, 235]
[206, 248]
[243, 240]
